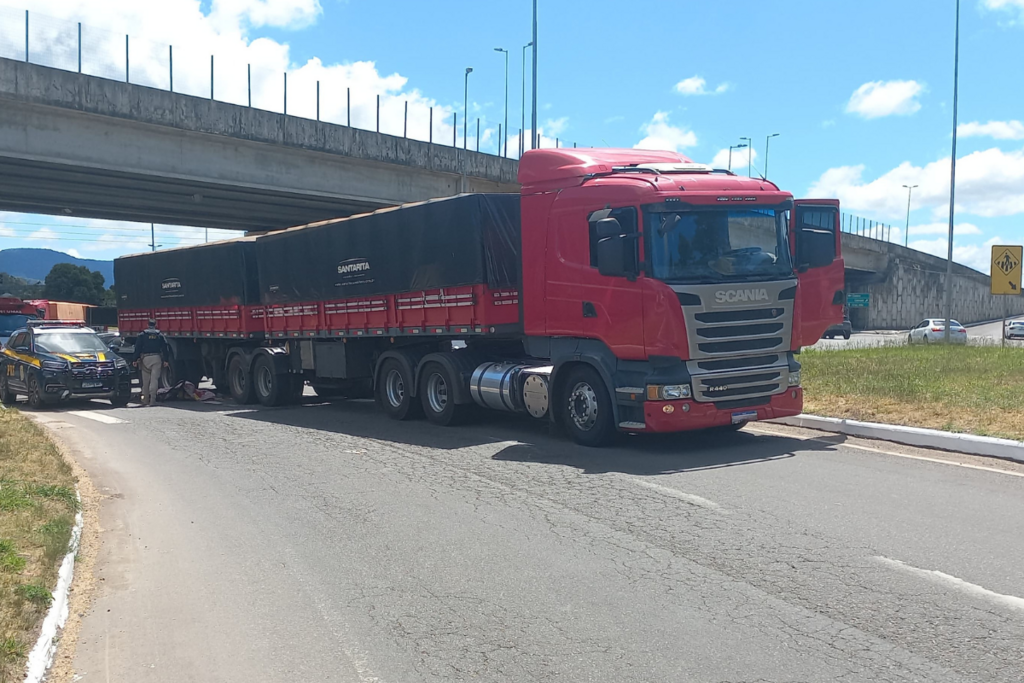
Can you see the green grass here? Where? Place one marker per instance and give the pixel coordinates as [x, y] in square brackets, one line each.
[977, 390]
[37, 510]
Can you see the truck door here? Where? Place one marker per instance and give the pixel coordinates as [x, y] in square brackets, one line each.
[821, 273]
[612, 297]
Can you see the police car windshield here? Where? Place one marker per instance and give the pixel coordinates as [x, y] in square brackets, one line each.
[69, 342]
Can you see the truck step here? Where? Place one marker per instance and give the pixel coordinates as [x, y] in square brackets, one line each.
[632, 425]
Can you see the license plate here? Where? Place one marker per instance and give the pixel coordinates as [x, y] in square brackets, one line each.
[746, 416]
[91, 385]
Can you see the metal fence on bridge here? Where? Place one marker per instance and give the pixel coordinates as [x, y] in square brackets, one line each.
[313, 91]
[865, 227]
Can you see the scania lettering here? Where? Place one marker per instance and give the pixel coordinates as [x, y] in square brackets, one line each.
[620, 290]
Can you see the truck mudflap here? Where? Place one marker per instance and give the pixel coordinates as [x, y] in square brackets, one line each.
[679, 416]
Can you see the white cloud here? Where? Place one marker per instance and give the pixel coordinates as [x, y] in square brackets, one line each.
[660, 134]
[877, 98]
[257, 13]
[1000, 130]
[72, 252]
[695, 85]
[43, 235]
[739, 159]
[547, 141]
[943, 229]
[977, 256]
[988, 183]
[6, 232]
[1008, 5]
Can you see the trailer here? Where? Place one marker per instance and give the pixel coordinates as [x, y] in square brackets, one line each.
[621, 290]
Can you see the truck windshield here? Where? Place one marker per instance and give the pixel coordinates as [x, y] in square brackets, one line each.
[718, 245]
[9, 322]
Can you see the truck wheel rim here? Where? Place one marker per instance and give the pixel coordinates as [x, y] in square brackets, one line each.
[583, 406]
[238, 381]
[265, 381]
[437, 392]
[394, 388]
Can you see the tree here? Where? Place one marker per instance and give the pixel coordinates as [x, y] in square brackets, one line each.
[67, 282]
[19, 287]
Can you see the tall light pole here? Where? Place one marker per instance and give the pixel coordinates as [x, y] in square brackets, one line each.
[522, 125]
[750, 150]
[505, 142]
[906, 236]
[952, 180]
[465, 109]
[731, 148]
[766, 141]
[533, 122]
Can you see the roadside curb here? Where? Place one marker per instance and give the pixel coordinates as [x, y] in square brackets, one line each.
[913, 436]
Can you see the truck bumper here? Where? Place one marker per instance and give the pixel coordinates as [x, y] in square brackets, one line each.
[680, 416]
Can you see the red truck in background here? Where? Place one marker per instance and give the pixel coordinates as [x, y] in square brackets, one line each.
[14, 314]
[622, 290]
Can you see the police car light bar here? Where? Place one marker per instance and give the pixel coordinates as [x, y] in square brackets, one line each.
[55, 323]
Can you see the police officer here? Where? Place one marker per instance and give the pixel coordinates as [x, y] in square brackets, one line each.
[151, 348]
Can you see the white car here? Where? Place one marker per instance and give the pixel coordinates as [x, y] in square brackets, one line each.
[933, 330]
[1015, 329]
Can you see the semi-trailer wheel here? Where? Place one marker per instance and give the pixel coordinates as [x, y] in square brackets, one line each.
[240, 381]
[394, 392]
[272, 388]
[586, 408]
[437, 396]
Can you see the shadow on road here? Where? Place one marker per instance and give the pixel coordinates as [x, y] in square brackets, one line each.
[529, 441]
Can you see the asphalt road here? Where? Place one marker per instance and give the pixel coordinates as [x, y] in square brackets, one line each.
[327, 543]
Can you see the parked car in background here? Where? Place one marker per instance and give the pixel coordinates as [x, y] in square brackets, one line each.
[843, 329]
[933, 330]
[1015, 329]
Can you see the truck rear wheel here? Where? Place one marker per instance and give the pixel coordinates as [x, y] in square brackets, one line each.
[240, 381]
[586, 408]
[394, 392]
[437, 396]
[272, 388]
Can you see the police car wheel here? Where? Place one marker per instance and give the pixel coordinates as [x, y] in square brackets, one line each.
[7, 396]
[35, 392]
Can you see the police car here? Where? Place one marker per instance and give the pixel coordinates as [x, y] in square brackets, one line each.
[49, 361]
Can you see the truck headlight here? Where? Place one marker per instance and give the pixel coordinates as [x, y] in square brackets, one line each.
[794, 379]
[55, 365]
[667, 392]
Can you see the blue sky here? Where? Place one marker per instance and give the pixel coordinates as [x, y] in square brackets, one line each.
[860, 92]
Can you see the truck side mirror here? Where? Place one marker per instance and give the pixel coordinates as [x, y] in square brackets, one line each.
[608, 227]
[612, 256]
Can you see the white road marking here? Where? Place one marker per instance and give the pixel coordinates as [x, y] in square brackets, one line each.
[953, 582]
[676, 493]
[98, 417]
[884, 452]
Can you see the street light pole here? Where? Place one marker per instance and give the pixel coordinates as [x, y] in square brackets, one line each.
[766, 141]
[750, 150]
[952, 180]
[533, 121]
[465, 109]
[522, 125]
[731, 148]
[505, 142]
[906, 235]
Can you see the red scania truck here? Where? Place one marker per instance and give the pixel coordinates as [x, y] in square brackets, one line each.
[621, 290]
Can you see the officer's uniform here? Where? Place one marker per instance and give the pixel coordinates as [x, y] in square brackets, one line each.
[151, 347]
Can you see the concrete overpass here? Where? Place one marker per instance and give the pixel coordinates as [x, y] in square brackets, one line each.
[79, 145]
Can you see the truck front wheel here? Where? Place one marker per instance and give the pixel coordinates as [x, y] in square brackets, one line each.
[586, 408]
[394, 391]
[240, 381]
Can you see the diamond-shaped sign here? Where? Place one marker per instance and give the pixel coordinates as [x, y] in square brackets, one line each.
[1006, 269]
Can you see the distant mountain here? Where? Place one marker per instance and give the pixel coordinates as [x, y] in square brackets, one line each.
[35, 264]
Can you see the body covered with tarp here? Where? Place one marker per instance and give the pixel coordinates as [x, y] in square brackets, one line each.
[462, 240]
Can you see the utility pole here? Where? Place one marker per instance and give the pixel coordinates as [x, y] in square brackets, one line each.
[766, 141]
[906, 235]
[522, 125]
[952, 180]
[505, 142]
[465, 109]
[750, 150]
[533, 122]
[731, 148]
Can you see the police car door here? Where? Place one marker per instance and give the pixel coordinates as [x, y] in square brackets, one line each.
[15, 361]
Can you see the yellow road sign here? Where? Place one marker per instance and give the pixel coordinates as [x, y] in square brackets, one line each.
[1006, 267]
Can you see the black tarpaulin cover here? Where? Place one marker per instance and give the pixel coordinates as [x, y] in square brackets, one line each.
[468, 239]
[203, 275]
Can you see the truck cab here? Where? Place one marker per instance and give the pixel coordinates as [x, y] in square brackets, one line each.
[691, 290]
